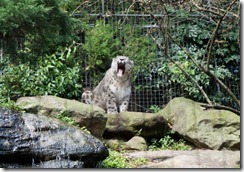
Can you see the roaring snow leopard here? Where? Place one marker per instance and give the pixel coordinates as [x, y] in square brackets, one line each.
[114, 90]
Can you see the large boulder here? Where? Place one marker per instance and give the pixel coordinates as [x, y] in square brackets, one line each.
[32, 140]
[88, 116]
[126, 125]
[206, 128]
[188, 159]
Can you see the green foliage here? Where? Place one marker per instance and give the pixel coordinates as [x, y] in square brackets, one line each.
[154, 108]
[6, 102]
[167, 142]
[140, 48]
[194, 35]
[57, 74]
[63, 117]
[41, 26]
[104, 42]
[176, 76]
[100, 47]
[116, 160]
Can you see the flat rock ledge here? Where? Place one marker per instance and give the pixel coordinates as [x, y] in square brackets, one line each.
[189, 159]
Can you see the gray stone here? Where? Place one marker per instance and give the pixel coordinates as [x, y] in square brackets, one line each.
[89, 116]
[61, 164]
[205, 128]
[115, 144]
[30, 139]
[126, 125]
[137, 143]
[189, 159]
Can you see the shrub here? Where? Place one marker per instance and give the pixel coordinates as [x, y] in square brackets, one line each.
[57, 74]
[141, 49]
[42, 25]
[103, 42]
[100, 47]
[167, 142]
[116, 160]
[154, 108]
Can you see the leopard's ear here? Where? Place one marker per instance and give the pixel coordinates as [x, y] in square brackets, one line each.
[114, 59]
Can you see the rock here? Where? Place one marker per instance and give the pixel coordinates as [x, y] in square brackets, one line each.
[126, 125]
[189, 159]
[28, 139]
[84, 115]
[61, 164]
[137, 143]
[205, 128]
[115, 144]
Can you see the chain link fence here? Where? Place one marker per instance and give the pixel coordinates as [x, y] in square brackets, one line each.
[151, 90]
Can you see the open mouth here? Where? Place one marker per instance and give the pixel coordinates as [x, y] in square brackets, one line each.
[120, 69]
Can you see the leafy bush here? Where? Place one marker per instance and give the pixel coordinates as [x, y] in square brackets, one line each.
[194, 35]
[63, 117]
[6, 102]
[41, 26]
[116, 160]
[154, 108]
[100, 47]
[140, 48]
[103, 42]
[57, 74]
[176, 76]
[167, 142]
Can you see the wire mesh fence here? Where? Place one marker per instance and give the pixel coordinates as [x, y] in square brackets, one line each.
[151, 91]
[147, 91]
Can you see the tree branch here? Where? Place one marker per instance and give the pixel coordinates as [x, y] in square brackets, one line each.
[212, 11]
[209, 48]
[217, 106]
[210, 74]
[185, 51]
[186, 74]
[232, 95]
[78, 7]
[204, 9]
[206, 71]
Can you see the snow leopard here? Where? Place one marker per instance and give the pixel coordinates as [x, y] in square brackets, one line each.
[113, 92]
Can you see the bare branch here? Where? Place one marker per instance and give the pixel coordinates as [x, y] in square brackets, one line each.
[128, 10]
[217, 106]
[79, 7]
[204, 9]
[212, 11]
[214, 34]
[232, 95]
[189, 76]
